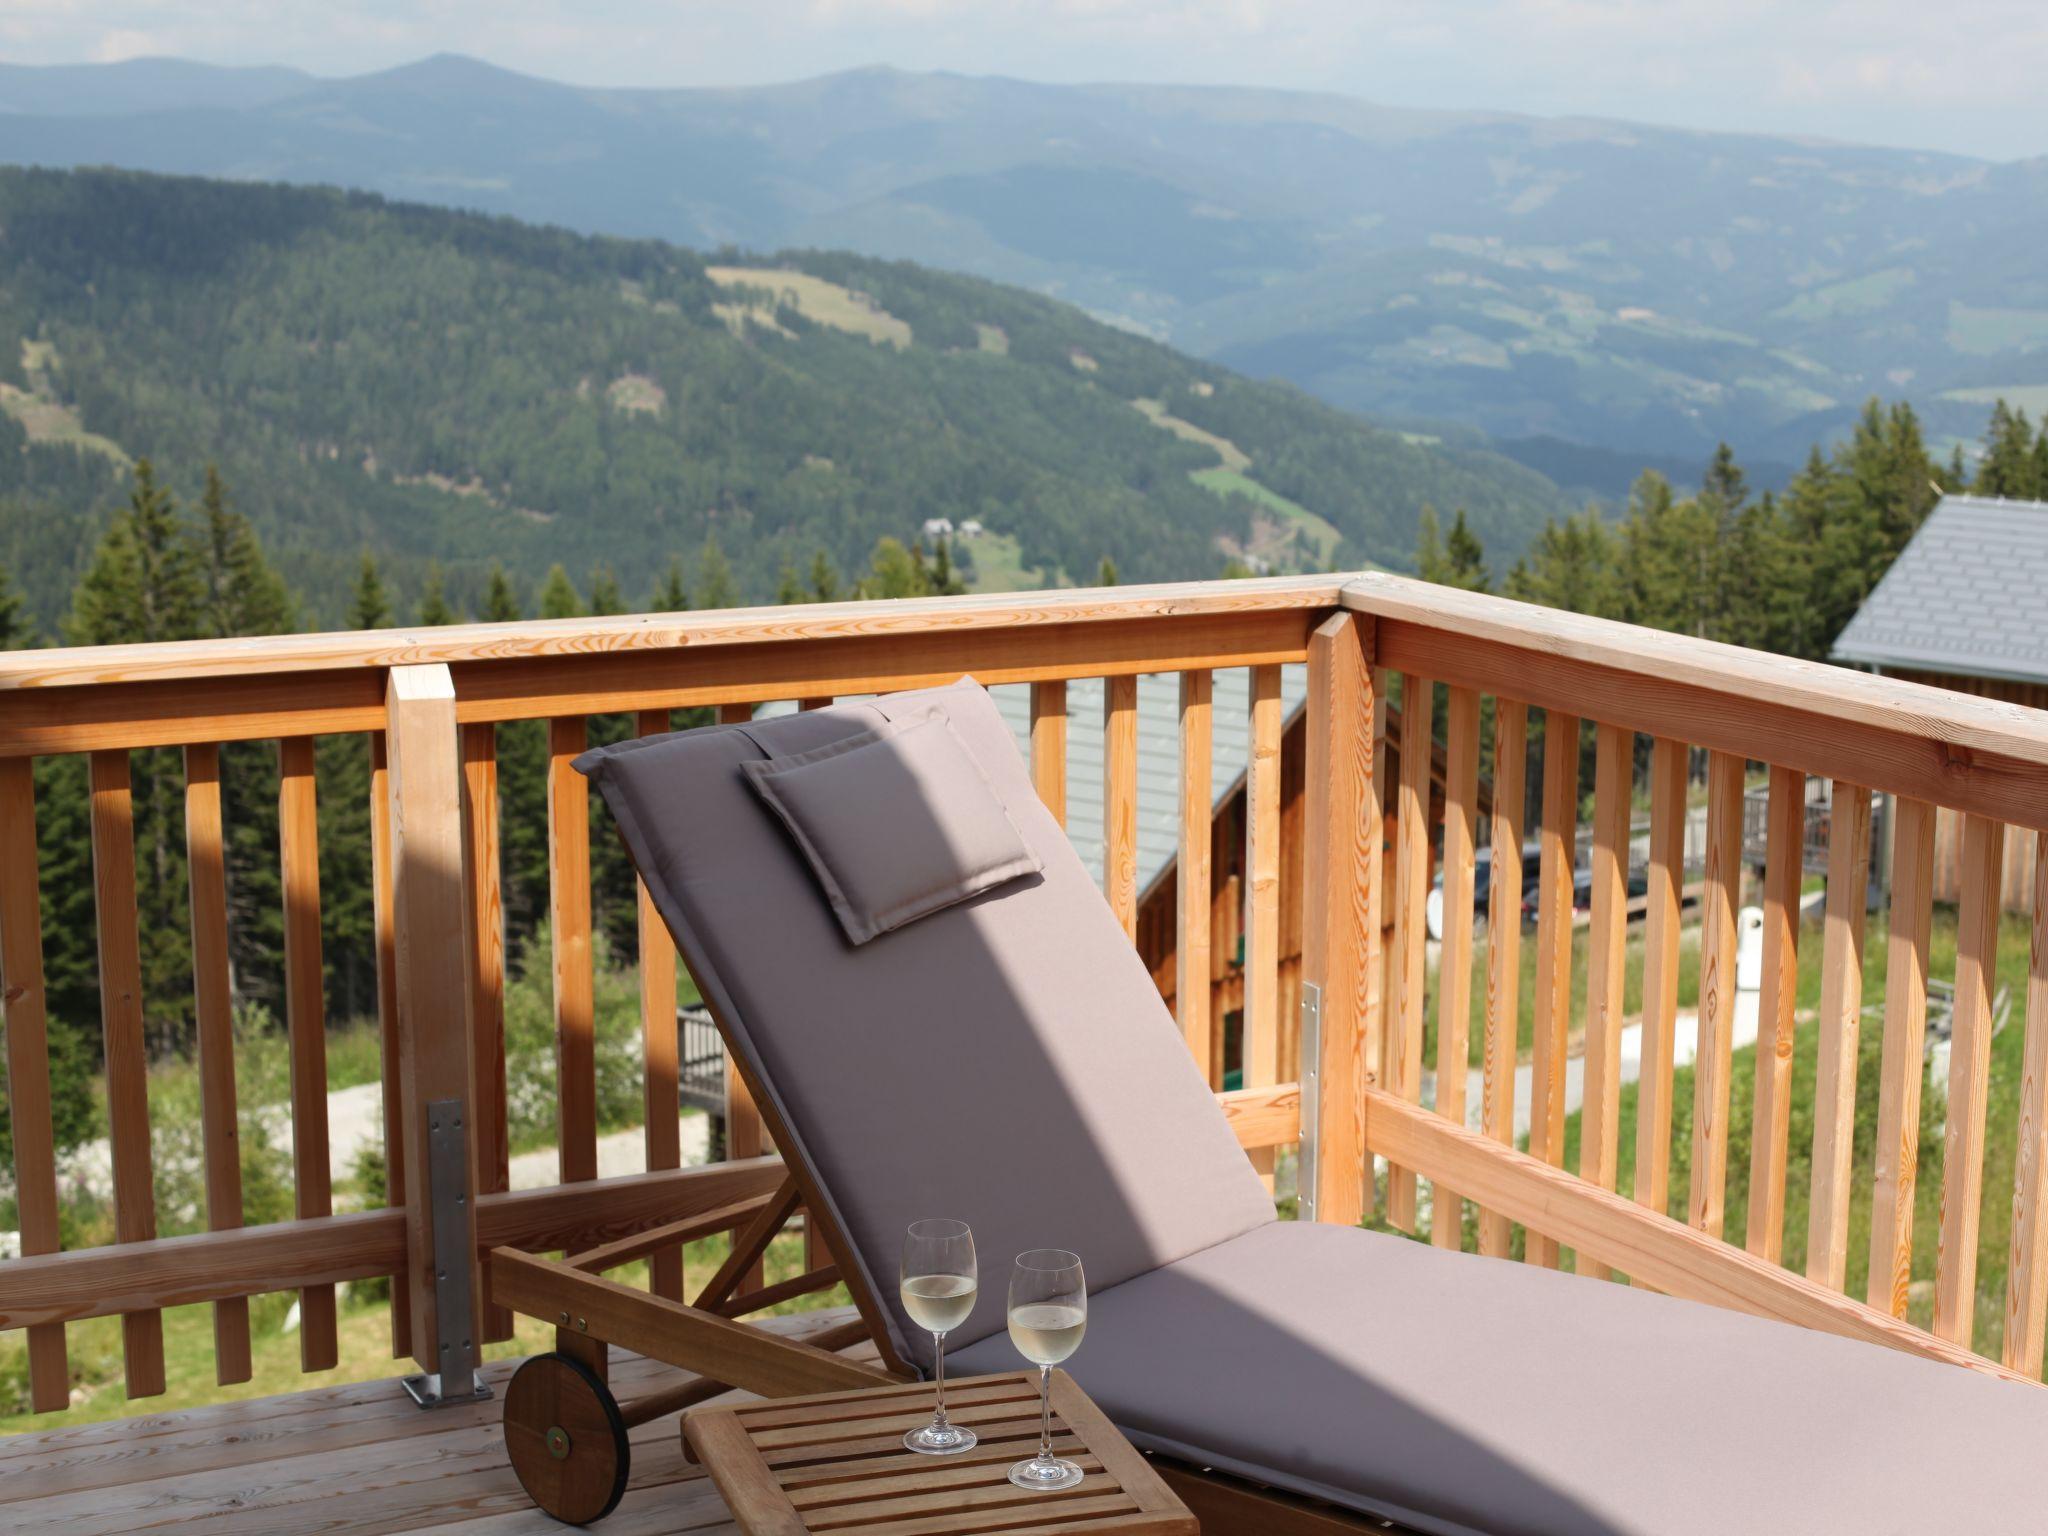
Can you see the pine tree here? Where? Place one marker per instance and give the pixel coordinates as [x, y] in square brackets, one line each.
[501, 603]
[435, 609]
[1573, 565]
[715, 586]
[144, 584]
[1105, 574]
[824, 578]
[788, 589]
[945, 581]
[670, 595]
[558, 599]
[1429, 545]
[244, 595]
[369, 604]
[605, 596]
[14, 626]
[2007, 467]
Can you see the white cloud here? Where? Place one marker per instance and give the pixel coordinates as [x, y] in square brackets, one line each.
[1900, 71]
[125, 43]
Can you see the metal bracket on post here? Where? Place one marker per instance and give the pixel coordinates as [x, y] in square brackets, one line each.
[1311, 1100]
[454, 1266]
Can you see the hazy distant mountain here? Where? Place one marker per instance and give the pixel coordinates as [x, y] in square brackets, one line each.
[1625, 287]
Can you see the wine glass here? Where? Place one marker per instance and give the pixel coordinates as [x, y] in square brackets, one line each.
[938, 1293]
[1048, 1315]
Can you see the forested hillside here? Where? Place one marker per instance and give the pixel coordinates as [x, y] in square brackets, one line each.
[433, 386]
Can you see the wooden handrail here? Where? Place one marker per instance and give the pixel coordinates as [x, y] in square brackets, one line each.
[184, 661]
[1956, 749]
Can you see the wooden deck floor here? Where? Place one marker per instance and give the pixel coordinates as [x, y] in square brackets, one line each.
[355, 1460]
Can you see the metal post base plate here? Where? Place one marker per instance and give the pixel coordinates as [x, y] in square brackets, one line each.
[425, 1391]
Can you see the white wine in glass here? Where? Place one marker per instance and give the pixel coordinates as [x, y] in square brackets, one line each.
[1048, 1315]
[938, 1288]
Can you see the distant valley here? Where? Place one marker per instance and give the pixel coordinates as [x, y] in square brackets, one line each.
[1634, 290]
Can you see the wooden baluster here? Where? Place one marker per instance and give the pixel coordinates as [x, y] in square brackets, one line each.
[1771, 1126]
[213, 1016]
[1504, 947]
[383, 921]
[431, 958]
[1454, 962]
[1553, 955]
[480, 812]
[1606, 963]
[1841, 1018]
[2026, 1291]
[1711, 1064]
[1373, 1041]
[127, 1062]
[745, 1135]
[1969, 1070]
[1904, 1064]
[1664, 900]
[1262, 873]
[28, 1064]
[306, 1021]
[1411, 895]
[1341, 845]
[569, 910]
[1193, 874]
[1120, 799]
[1049, 745]
[658, 1045]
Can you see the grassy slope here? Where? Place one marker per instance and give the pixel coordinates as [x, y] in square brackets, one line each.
[2001, 1139]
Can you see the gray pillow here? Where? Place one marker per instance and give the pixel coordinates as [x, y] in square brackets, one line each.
[896, 823]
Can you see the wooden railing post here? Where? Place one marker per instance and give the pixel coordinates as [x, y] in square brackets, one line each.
[1341, 847]
[433, 950]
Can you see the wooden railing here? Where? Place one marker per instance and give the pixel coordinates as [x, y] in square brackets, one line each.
[431, 703]
[1928, 748]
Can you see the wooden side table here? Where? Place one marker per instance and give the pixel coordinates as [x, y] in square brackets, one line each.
[792, 1465]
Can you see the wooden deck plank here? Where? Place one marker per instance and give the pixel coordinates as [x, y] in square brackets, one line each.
[354, 1460]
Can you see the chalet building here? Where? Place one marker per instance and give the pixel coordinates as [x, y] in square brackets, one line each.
[1966, 607]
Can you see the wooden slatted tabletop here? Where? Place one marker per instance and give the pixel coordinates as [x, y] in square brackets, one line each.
[836, 1462]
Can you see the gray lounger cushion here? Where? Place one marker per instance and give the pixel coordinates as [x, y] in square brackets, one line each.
[1006, 1061]
[1461, 1394]
[896, 823]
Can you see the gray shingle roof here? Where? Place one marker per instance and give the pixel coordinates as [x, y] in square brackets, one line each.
[1969, 595]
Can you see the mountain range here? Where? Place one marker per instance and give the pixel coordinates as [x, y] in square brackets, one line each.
[1594, 294]
[433, 386]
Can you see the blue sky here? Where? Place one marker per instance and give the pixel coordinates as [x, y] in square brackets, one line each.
[1966, 76]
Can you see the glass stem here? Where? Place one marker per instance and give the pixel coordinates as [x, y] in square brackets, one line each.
[1045, 1413]
[939, 1375]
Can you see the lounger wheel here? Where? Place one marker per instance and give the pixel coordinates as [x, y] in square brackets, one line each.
[566, 1439]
